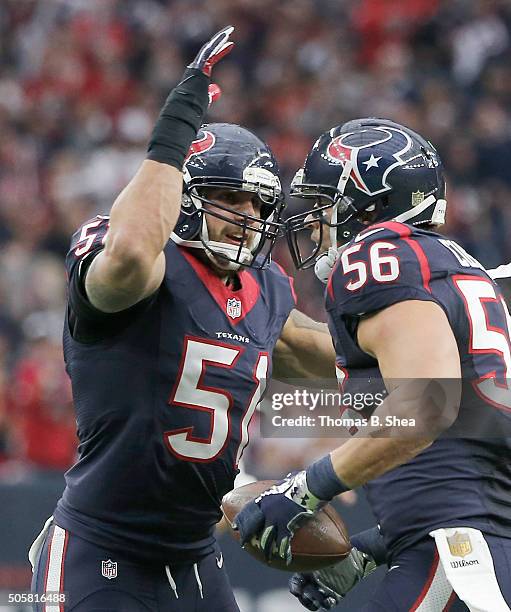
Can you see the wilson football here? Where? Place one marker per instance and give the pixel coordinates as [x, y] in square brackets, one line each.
[321, 541]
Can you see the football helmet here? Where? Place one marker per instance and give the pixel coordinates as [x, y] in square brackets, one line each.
[363, 172]
[231, 158]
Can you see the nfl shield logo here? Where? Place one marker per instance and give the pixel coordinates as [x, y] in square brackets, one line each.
[109, 569]
[234, 308]
[417, 197]
[460, 544]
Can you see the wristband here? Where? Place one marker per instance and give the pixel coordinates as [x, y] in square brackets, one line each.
[180, 119]
[322, 480]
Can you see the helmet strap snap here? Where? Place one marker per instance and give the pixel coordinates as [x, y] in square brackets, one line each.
[341, 186]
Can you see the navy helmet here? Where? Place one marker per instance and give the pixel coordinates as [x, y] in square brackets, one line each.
[229, 157]
[366, 171]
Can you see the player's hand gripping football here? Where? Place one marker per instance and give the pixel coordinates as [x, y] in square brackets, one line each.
[217, 47]
[274, 516]
[326, 587]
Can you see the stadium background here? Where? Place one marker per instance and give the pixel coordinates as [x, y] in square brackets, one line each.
[81, 82]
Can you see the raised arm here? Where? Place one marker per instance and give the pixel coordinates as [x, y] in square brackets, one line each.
[132, 264]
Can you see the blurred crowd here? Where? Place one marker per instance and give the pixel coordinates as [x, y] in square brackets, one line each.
[81, 82]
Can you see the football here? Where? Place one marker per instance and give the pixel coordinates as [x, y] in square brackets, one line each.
[321, 541]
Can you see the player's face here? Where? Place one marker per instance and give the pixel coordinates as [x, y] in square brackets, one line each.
[367, 217]
[316, 235]
[237, 202]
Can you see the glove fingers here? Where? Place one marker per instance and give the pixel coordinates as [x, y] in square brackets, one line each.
[216, 42]
[305, 588]
[267, 540]
[217, 47]
[309, 602]
[216, 57]
[297, 583]
[249, 522]
[224, 33]
[329, 602]
[219, 43]
[285, 550]
[222, 52]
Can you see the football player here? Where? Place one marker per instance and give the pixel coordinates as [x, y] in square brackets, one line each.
[168, 343]
[405, 300]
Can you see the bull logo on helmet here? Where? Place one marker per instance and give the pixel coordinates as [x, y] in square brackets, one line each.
[383, 149]
[200, 145]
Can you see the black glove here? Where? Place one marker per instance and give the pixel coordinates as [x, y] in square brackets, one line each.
[326, 587]
[276, 514]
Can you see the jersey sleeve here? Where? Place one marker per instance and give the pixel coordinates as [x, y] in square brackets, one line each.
[378, 271]
[86, 243]
[87, 323]
[286, 293]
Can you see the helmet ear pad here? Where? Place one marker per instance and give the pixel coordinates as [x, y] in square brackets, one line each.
[374, 212]
[189, 222]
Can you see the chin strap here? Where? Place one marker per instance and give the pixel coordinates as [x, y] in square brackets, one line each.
[341, 186]
[223, 254]
[220, 249]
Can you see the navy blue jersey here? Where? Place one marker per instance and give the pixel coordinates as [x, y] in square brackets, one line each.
[163, 394]
[464, 477]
